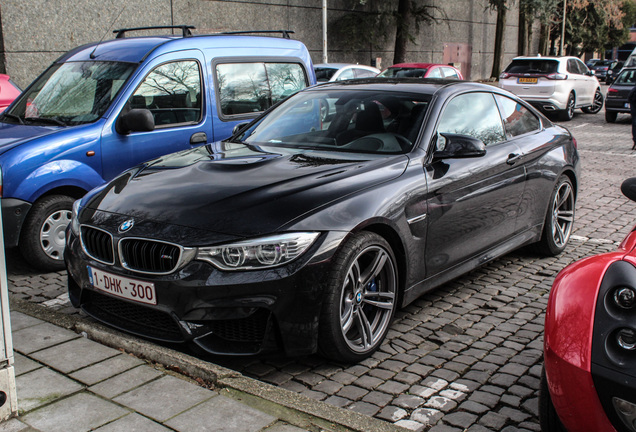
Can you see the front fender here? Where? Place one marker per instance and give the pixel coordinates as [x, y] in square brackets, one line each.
[59, 173]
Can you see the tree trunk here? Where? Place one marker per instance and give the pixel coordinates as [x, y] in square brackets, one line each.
[403, 24]
[523, 32]
[499, 39]
[543, 39]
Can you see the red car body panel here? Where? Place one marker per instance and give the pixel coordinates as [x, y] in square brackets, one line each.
[8, 92]
[569, 326]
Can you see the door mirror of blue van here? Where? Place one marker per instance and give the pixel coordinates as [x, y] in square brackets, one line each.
[135, 120]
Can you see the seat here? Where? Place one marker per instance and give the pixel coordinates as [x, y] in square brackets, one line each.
[410, 127]
[368, 121]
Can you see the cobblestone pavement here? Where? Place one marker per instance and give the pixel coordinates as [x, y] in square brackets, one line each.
[468, 355]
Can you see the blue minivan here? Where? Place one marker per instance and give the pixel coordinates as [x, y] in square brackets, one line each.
[107, 106]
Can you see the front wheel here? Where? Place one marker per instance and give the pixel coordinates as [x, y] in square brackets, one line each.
[42, 238]
[610, 116]
[559, 219]
[548, 418]
[361, 299]
[596, 105]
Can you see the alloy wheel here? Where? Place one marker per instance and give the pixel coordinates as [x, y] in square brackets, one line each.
[562, 214]
[368, 298]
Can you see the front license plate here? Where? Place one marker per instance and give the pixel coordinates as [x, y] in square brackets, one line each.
[528, 80]
[131, 289]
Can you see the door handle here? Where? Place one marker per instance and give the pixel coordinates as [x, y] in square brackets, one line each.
[198, 138]
[513, 158]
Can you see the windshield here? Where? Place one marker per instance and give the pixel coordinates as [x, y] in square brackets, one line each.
[361, 121]
[71, 93]
[403, 73]
[324, 74]
[539, 66]
[627, 77]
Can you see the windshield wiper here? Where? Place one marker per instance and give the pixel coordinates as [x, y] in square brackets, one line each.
[14, 117]
[47, 120]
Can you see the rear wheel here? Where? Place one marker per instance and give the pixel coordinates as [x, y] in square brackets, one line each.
[559, 219]
[610, 116]
[568, 112]
[548, 418]
[596, 105]
[361, 301]
[42, 238]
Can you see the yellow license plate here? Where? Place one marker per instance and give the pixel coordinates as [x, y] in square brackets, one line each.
[528, 80]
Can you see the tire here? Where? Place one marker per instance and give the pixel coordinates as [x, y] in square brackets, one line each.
[596, 105]
[42, 238]
[610, 116]
[548, 417]
[568, 112]
[559, 219]
[361, 299]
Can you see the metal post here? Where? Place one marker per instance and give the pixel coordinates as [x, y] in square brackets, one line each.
[324, 31]
[8, 396]
[565, 4]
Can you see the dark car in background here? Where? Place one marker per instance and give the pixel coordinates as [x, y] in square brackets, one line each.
[306, 230]
[613, 71]
[589, 380]
[616, 97]
[600, 69]
[421, 70]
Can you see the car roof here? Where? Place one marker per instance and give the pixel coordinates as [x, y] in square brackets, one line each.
[427, 86]
[136, 49]
[416, 65]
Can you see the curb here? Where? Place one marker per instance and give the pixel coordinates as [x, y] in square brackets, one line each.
[291, 407]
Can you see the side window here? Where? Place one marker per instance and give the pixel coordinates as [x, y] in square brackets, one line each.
[435, 73]
[473, 114]
[450, 73]
[582, 68]
[172, 93]
[518, 120]
[345, 75]
[249, 88]
[363, 73]
[573, 67]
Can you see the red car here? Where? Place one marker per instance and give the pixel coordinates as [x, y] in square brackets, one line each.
[8, 91]
[421, 70]
[589, 381]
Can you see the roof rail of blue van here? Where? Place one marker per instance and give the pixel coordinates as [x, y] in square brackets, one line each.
[186, 30]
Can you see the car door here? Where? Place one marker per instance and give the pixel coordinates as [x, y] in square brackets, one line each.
[580, 83]
[172, 88]
[590, 81]
[472, 202]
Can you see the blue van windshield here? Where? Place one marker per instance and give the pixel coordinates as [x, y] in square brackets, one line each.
[71, 93]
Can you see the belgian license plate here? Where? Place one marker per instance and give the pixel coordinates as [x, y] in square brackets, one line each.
[131, 289]
[528, 80]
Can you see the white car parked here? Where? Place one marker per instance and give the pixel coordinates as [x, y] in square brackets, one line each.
[343, 71]
[554, 84]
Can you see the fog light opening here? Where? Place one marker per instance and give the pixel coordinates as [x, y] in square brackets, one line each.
[625, 297]
[626, 339]
[626, 411]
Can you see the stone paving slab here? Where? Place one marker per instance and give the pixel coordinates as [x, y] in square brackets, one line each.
[24, 364]
[221, 414]
[41, 336]
[133, 423]
[41, 387]
[20, 321]
[150, 398]
[73, 355]
[78, 413]
[106, 369]
[125, 381]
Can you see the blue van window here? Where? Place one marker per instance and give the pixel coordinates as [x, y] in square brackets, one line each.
[246, 88]
[72, 93]
[172, 93]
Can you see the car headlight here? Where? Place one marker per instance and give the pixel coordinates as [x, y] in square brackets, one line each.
[260, 253]
[75, 225]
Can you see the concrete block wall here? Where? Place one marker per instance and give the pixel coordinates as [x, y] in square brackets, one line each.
[36, 32]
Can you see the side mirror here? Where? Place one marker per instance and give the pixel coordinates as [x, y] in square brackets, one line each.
[629, 188]
[460, 146]
[238, 127]
[135, 120]
[590, 73]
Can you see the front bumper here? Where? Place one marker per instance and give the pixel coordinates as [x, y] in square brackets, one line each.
[14, 213]
[230, 313]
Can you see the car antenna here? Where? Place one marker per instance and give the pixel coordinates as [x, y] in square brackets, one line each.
[92, 55]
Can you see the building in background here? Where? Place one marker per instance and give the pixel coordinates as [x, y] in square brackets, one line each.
[34, 33]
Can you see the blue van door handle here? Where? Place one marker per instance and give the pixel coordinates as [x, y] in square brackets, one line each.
[198, 138]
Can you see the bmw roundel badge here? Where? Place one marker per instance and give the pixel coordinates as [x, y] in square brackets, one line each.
[125, 226]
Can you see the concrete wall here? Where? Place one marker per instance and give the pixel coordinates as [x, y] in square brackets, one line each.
[36, 32]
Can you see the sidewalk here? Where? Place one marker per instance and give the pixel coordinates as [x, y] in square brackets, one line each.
[67, 382]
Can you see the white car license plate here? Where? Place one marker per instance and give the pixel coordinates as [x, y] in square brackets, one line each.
[131, 289]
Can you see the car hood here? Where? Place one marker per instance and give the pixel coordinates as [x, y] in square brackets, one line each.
[240, 190]
[12, 134]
